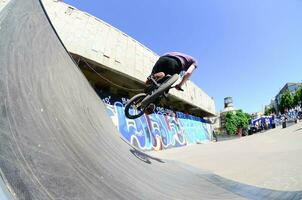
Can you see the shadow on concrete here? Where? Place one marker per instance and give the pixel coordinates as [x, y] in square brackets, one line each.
[298, 129]
[141, 155]
[144, 157]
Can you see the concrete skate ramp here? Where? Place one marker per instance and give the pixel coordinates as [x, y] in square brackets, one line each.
[56, 140]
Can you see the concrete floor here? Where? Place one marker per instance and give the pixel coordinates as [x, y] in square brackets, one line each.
[272, 159]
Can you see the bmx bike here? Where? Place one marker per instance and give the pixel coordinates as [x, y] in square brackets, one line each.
[137, 105]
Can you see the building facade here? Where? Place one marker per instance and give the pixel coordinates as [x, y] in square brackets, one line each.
[291, 87]
[123, 62]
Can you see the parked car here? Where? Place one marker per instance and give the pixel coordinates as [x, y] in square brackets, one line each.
[252, 129]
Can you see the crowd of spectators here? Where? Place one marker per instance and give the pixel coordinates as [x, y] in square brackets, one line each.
[262, 123]
[291, 115]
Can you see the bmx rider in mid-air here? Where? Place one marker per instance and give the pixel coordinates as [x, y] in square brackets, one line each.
[169, 64]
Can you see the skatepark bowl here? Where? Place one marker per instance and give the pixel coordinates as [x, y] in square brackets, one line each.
[57, 141]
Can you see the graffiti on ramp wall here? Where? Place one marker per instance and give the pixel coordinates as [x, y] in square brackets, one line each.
[160, 130]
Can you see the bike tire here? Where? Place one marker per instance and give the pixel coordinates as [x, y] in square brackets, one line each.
[134, 101]
[164, 86]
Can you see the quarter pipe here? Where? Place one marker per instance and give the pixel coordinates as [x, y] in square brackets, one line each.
[56, 140]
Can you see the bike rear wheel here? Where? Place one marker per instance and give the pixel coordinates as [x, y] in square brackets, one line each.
[134, 108]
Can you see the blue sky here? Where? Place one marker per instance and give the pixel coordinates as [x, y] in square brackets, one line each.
[247, 49]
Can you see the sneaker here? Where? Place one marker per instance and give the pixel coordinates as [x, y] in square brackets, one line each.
[150, 109]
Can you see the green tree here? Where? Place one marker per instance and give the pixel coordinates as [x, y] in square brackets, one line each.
[242, 120]
[300, 94]
[236, 120]
[286, 101]
[248, 116]
[269, 110]
[231, 123]
[297, 96]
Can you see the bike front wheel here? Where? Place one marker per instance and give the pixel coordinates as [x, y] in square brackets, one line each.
[133, 108]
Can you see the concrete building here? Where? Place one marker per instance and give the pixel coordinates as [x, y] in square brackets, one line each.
[216, 123]
[228, 107]
[114, 62]
[219, 121]
[291, 87]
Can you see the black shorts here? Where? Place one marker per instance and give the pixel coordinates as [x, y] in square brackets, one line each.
[168, 65]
